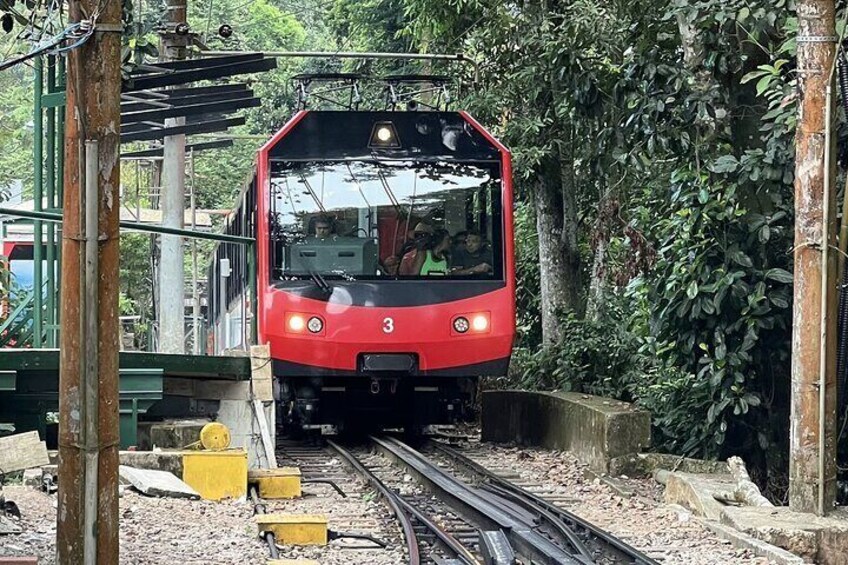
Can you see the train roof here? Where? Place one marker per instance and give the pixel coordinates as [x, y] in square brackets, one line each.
[349, 135]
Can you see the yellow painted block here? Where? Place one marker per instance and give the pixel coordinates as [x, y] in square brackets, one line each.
[276, 483]
[216, 474]
[295, 529]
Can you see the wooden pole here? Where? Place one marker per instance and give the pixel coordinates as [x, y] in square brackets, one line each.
[812, 468]
[87, 527]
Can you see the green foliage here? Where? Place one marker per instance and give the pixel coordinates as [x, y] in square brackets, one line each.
[672, 123]
[16, 93]
[720, 295]
[598, 357]
[529, 323]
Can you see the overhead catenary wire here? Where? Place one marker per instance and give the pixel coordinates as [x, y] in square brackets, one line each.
[51, 47]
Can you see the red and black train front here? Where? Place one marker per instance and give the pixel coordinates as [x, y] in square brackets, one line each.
[386, 287]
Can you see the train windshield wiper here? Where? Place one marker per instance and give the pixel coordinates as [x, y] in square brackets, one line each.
[320, 281]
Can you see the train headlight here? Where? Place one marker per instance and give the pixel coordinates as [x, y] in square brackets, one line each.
[296, 323]
[460, 325]
[315, 325]
[472, 323]
[384, 136]
[480, 323]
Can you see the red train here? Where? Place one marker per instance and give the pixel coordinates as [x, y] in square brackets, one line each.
[385, 278]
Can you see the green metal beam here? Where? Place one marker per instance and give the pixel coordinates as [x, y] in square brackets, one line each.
[53, 100]
[188, 366]
[134, 226]
[38, 187]
[50, 273]
[60, 190]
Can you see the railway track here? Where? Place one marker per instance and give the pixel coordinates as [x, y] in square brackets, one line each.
[451, 510]
[594, 543]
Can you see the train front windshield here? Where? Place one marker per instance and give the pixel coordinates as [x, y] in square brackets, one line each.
[376, 220]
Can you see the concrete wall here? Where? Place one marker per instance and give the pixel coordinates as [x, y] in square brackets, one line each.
[236, 404]
[594, 429]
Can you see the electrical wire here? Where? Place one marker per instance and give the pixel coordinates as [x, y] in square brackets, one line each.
[35, 52]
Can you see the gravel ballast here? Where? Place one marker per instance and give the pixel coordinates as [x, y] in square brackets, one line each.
[186, 532]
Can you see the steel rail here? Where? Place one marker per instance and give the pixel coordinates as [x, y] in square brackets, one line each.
[560, 528]
[622, 549]
[391, 499]
[447, 539]
[484, 509]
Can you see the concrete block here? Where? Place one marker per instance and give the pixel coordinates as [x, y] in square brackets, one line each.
[156, 483]
[644, 464]
[295, 529]
[283, 482]
[261, 372]
[18, 560]
[222, 390]
[823, 540]
[22, 451]
[216, 474]
[238, 416]
[759, 548]
[176, 434]
[695, 492]
[596, 430]
[171, 461]
[32, 477]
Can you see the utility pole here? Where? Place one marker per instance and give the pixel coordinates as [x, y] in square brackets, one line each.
[812, 466]
[172, 203]
[87, 514]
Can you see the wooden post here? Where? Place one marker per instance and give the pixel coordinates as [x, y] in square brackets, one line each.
[812, 468]
[87, 514]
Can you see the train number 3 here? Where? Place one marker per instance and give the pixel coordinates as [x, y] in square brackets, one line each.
[388, 325]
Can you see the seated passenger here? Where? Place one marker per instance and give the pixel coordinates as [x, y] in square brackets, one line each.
[433, 261]
[474, 259]
[459, 242]
[420, 241]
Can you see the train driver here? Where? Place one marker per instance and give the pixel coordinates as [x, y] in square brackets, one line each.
[323, 227]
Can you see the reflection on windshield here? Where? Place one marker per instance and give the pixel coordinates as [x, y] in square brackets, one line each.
[367, 220]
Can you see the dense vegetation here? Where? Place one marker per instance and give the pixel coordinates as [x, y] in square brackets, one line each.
[654, 162]
[653, 144]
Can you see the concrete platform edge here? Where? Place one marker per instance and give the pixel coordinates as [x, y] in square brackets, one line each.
[744, 541]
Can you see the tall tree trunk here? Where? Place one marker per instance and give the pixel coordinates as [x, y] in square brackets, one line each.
[559, 258]
[598, 280]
